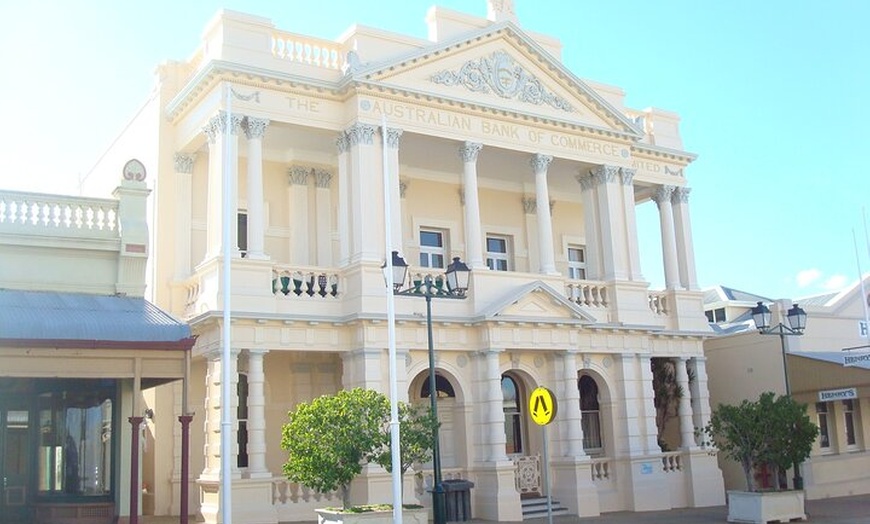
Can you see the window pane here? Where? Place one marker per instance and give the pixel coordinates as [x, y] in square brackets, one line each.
[242, 231]
[501, 265]
[437, 260]
[496, 245]
[431, 239]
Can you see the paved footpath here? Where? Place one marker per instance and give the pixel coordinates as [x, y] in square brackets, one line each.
[842, 510]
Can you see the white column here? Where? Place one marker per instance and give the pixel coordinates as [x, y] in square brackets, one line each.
[540, 163]
[299, 224]
[630, 212]
[570, 414]
[648, 406]
[494, 441]
[590, 226]
[255, 128]
[322, 204]
[611, 224]
[366, 195]
[684, 408]
[473, 235]
[393, 137]
[683, 231]
[183, 193]
[212, 419]
[222, 157]
[342, 143]
[257, 415]
[700, 394]
[530, 210]
[662, 198]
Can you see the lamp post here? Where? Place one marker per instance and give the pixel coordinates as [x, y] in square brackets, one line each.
[454, 284]
[797, 322]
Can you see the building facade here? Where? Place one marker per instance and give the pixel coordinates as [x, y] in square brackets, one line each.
[490, 150]
[79, 349]
[743, 364]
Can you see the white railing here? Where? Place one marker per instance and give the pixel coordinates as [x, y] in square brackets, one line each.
[306, 50]
[672, 461]
[305, 282]
[600, 469]
[658, 303]
[285, 492]
[59, 215]
[587, 293]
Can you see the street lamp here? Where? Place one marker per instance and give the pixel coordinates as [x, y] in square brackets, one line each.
[797, 322]
[454, 284]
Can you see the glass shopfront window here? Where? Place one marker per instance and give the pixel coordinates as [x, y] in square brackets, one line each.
[75, 439]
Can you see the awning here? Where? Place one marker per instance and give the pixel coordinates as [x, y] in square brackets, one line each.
[57, 319]
[811, 371]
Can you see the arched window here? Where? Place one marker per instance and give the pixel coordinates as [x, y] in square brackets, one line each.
[513, 427]
[590, 419]
[443, 388]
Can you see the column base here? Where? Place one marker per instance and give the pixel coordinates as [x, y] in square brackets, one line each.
[705, 482]
[573, 486]
[251, 501]
[495, 496]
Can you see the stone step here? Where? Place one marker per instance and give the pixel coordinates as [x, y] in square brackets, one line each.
[534, 508]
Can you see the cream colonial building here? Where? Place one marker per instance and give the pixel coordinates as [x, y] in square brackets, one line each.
[497, 154]
[743, 364]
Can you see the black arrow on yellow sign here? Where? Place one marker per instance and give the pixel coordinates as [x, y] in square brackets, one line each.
[542, 406]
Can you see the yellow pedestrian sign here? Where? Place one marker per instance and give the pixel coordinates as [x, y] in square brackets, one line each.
[542, 406]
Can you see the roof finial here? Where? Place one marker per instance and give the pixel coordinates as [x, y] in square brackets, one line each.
[499, 10]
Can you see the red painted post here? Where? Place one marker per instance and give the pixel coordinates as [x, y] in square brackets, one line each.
[185, 466]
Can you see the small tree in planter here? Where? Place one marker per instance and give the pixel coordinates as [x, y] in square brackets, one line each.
[330, 439]
[771, 432]
[416, 427]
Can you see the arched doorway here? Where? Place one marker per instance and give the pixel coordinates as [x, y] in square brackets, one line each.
[514, 422]
[447, 433]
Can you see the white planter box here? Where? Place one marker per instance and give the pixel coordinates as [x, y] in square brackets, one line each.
[763, 507]
[409, 516]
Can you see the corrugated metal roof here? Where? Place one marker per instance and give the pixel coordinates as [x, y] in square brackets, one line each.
[721, 293]
[48, 315]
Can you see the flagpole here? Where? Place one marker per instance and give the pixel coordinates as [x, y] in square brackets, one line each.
[226, 499]
[395, 448]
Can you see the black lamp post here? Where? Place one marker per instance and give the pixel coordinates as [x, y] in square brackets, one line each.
[797, 322]
[454, 284]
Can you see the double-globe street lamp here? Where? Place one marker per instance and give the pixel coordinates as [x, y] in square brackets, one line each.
[453, 284]
[797, 322]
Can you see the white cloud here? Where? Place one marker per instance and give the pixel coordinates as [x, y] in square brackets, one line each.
[835, 283]
[807, 277]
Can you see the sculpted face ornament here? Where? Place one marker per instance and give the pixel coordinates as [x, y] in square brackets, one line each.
[500, 74]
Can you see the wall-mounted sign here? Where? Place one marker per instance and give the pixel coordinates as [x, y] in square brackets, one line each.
[838, 394]
[855, 358]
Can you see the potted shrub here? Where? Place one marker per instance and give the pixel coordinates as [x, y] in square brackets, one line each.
[331, 438]
[768, 434]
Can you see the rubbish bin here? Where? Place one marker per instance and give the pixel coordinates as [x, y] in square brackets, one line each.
[457, 495]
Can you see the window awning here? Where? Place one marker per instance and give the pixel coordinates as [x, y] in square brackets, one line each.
[811, 371]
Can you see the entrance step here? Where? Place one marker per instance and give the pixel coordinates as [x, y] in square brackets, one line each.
[536, 507]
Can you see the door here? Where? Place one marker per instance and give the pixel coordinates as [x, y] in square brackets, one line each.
[15, 441]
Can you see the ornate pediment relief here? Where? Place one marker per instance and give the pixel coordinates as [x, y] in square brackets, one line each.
[538, 302]
[500, 74]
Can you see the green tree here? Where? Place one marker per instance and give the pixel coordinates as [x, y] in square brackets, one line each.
[772, 432]
[416, 427]
[330, 439]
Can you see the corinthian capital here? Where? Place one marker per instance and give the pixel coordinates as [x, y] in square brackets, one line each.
[184, 163]
[361, 134]
[298, 175]
[604, 174]
[255, 127]
[585, 180]
[342, 142]
[469, 151]
[393, 136]
[627, 175]
[322, 178]
[662, 195]
[681, 195]
[540, 162]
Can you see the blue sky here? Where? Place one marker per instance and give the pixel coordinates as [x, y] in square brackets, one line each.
[770, 93]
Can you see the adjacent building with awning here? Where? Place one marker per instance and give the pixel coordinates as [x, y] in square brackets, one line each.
[822, 371]
[78, 346]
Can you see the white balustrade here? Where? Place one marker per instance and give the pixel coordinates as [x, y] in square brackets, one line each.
[600, 469]
[59, 215]
[658, 303]
[307, 50]
[305, 282]
[672, 461]
[587, 293]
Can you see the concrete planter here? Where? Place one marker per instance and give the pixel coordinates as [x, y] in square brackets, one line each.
[763, 507]
[409, 516]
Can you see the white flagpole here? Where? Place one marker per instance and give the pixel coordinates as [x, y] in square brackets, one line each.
[226, 499]
[395, 448]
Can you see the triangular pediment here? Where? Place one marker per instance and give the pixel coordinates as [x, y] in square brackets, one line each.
[499, 68]
[537, 302]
